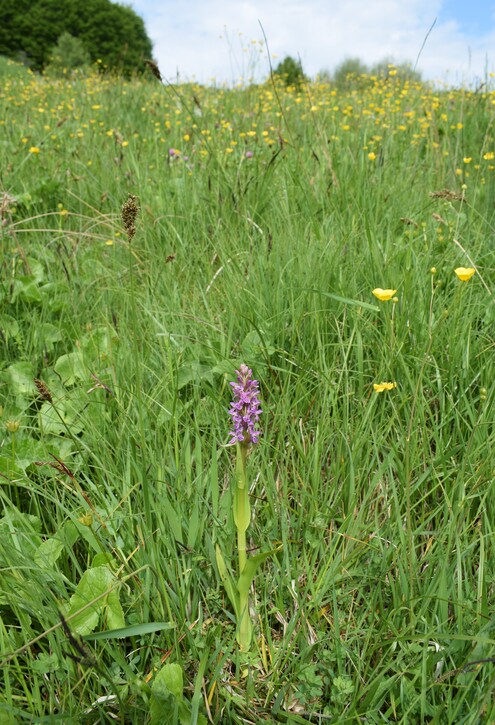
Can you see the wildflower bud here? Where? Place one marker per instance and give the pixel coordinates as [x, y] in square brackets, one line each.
[86, 519]
[433, 270]
[12, 426]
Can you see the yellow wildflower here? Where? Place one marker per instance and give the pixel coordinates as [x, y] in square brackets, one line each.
[464, 273]
[384, 294]
[34, 150]
[371, 156]
[380, 387]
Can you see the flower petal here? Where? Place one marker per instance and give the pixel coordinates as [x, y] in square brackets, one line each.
[464, 273]
[380, 387]
[384, 294]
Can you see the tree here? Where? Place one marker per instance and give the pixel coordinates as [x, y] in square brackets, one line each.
[403, 71]
[113, 33]
[351, 73]
[290, 71]
[69, 54]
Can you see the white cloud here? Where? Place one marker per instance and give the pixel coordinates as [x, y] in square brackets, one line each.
[322, 33]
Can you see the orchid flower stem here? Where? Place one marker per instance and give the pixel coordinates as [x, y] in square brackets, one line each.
[245, 411]
[243, 513]
[242, 517]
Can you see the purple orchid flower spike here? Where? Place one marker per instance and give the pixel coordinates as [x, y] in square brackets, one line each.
[245, 409]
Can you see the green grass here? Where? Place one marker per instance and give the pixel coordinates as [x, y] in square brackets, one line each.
[379, 606]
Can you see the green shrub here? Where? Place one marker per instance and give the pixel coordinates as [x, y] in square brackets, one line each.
[290, 71]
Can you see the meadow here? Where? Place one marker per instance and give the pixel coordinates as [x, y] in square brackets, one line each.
[266, 217]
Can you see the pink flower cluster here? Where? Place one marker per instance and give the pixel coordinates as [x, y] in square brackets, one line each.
[245, 408]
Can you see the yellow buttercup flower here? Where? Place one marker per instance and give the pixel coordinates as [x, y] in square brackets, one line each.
[34, 150]
[384, 294]
[380, 387]
[464, 273]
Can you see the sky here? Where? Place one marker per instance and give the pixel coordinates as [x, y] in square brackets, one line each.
[222, 41]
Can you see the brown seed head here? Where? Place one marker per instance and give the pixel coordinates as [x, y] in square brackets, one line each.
[154, 69]
[447, 194]
[43, 390]
[130, 209]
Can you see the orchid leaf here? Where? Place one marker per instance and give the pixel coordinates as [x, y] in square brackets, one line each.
[227, 581]
[250, 569]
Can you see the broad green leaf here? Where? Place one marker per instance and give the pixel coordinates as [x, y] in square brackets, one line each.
[166, 694]
[98, 342]
[28, 450]
[71, 367]
[93, 584]
[50, 550]
[9, 327]
[20, 378]
[169, 680]
[20, 530]
[250, 568]
[226, 367]
[114, 613]
[36, 269]
[26, 288]
[45, 663]
[103, 558]
[10, 468]
[193, 372]
[185, 715]
[256, 343]
[47, 335]
[60, 418]
[167, 702]
[48, 553]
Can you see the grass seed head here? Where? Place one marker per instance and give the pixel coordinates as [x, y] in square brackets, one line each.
[130, 209]
[43, 390]
[154, 69]
[447, 194]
